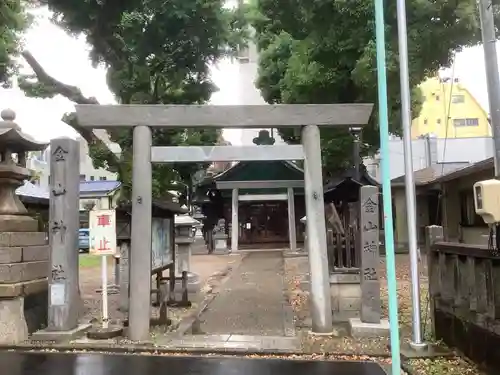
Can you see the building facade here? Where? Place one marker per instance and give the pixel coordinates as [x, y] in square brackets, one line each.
[429, 150]
[449, 110]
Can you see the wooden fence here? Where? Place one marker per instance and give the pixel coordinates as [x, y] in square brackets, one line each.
[464, 288]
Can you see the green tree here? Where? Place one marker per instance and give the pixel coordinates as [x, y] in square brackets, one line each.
[323, 51]
[14, 21]
[155, 52]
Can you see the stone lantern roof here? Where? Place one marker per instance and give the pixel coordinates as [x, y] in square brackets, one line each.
[185, 220]
[13, 138]
[14, 145]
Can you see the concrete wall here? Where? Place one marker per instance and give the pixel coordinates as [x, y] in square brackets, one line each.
[454, 150]
[400, 217]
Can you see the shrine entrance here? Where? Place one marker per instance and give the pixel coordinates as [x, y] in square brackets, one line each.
[263, 223]
[268, 197]
[308, 118]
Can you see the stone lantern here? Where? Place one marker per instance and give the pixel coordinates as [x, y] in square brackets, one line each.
[184, 237]
[24, 252]
[14, 145]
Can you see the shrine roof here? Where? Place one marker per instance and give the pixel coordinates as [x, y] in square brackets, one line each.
[91, 187]
[258, 171]
[349, 175]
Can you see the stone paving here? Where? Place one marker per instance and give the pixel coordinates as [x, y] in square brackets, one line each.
[206, 266]
[252, 301]
[244, 343]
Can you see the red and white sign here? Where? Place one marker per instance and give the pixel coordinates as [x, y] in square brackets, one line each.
[102, 227]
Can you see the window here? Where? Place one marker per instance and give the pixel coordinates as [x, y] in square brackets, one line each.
[82, 177]
[457, 99]
[437, 98]
[103, 178]
[425, 122]
[438, 121]
[458, 122]
[468, 216]
[472, 122]
[92, 178]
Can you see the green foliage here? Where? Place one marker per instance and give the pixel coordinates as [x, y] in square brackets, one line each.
[13, 22]
[323, 51]
[155, 52]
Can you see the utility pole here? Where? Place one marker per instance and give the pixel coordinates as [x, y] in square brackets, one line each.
[416, 342]
[492, 79]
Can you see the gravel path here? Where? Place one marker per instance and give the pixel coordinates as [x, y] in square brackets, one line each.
[252, 301]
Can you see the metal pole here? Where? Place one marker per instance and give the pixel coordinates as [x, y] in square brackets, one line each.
[409, 181]
[104, 291]
[386, 185]
[492, 79]
[140, 252]
[321, 304]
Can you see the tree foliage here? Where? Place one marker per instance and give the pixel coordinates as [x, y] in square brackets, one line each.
[155, 52]
[13, 22]
[323, 51]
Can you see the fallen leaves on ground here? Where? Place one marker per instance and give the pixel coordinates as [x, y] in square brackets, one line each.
[441, 366]
[297, 273]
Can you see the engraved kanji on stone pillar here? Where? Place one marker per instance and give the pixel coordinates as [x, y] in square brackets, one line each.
[369, 237]
[64, 299]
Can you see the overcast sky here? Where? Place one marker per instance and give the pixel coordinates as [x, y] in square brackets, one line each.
[66, 59]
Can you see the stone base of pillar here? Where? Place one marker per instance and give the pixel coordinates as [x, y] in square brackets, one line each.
[345, 290]
[193, 286]
[23, 284]
[360, 329]
[220, 244]
[61, 336]
[13, 326]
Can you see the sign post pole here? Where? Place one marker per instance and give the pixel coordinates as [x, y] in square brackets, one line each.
[105, 315]
[103, 243]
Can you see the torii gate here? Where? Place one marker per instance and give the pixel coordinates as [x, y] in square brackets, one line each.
[308, 117]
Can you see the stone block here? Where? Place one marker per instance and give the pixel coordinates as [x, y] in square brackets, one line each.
[345, 278]
[23, 239]
[24, 288]
[18, 223]
[345, 291]
[35, 253]
[17, 272]
[61, 336]
[220, 244]
[360, 329]
[13, 327]
[349, 304]
[193, 287]
[23, 254]
[11, 254]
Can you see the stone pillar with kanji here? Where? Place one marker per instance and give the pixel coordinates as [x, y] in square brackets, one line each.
[369, 324]
[65, 304]
[24, 251]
